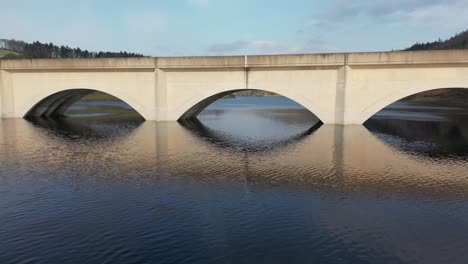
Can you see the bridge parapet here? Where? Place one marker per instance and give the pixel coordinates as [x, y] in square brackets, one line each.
[78, 64]
[201, 62]
[408, 57]
[337, 59]
[330, 59]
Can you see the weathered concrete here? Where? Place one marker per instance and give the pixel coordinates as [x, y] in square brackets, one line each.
[338, 88]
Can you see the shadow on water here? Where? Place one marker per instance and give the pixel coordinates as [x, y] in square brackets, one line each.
[103, 126]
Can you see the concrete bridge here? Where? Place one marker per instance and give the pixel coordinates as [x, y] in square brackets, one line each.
[345, 88]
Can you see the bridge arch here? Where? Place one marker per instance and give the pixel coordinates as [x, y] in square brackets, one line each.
[197, 104]
[57, 103]
[396, 96]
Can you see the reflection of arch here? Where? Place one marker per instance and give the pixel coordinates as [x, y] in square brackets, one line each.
[422, 138]
[86, 126]
[192, 108]
[56, 104]
[219, 139]
[380, 104]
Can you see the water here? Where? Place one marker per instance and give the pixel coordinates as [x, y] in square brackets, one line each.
[262, 183]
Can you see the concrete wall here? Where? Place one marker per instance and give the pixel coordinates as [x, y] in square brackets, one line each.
[185, 88]
[27, 82]
[134, 88]
[338, 88]
[6, 94]
[378, 79]
[372, 89]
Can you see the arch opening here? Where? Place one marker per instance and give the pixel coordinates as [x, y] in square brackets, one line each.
[250, 120]
[437, 104]
[209, 101]
[80, 103]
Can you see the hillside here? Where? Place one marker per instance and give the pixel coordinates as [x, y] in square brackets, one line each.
[8, 54]
[459, 41]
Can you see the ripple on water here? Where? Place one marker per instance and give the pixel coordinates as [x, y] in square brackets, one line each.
[272, 187]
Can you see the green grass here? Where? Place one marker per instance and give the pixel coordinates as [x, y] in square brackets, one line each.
[9, 53]
[98, 96]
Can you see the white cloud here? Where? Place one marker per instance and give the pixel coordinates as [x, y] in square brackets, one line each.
[269, 47]
[428, 19]
[380, 8]
[385, 11]
[439, 15]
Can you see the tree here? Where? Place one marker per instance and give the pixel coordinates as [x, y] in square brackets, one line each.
[49, 50]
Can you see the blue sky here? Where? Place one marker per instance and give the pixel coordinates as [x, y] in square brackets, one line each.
[227, 27]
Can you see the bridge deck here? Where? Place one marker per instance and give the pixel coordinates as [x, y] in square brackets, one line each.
[296, 60]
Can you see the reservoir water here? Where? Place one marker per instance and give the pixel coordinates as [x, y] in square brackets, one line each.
[252, 180]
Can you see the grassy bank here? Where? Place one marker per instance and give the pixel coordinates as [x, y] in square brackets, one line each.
[98, 96]
[8, 54]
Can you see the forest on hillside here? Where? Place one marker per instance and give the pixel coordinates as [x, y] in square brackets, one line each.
[37, 50]
[459, 41]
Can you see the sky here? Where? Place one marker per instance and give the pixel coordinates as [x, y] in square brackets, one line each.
[233, 27]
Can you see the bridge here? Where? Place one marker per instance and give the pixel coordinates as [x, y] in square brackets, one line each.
[342, 88]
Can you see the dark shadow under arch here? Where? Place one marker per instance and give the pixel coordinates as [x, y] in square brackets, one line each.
[449, 96]
[56, 104]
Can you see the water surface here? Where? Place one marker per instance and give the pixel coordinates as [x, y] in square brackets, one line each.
[252, 180]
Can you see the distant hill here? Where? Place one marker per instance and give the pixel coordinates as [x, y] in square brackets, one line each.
[459, 41]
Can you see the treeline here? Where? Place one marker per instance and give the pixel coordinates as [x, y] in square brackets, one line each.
[425, 46]
[12, 44]
[38, 50]
[459, 41]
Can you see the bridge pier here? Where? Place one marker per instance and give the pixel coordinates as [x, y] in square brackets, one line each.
[6, 94]
[2, 79]
[340, 97]
[160, 95]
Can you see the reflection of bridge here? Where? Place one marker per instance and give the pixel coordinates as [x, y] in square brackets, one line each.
[226, 142]
[346, 158]
[338, 88]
